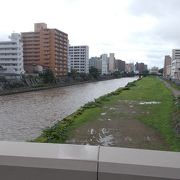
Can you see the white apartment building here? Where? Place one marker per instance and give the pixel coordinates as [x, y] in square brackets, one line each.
[175, 64]
[79, 58]
[104, 63]
[11, 55]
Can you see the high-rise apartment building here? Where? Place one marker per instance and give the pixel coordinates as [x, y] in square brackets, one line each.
[79, 58]
[167, 66]
[140, 67]
[95, 62]
[11, 55]
[129, 67]
[47, 48]
[120, 65]
[111, 62]
[100, 63]
[104, 64]
[175, 64]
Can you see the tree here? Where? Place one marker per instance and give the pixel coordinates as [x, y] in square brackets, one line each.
[145, 72]
[94, 72]
[117, 74]
[160, 71]
[84, 76]
[48, 76]
[74, 74]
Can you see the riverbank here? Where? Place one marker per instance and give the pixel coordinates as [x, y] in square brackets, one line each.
[138, 116]
[44, 87]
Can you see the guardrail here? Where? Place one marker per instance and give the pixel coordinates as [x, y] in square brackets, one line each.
[36, 161]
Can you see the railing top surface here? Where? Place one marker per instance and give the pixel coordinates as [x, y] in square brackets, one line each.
[112, 160]
[48, 150]
[140, 157]
[53, 156]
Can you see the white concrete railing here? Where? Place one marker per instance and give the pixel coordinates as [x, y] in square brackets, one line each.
[34, 161]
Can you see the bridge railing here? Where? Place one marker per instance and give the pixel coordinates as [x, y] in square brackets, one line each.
[36, 161]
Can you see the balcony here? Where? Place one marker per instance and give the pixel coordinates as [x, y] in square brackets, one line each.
[34, 161]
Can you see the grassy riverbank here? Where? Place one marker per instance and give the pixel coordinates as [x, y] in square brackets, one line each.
[139, 116]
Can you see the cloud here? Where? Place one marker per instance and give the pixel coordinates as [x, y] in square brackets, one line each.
[167, 14]
[132, 29]
[157, 8]
[164, 36]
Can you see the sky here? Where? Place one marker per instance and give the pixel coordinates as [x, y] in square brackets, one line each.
[135, 30]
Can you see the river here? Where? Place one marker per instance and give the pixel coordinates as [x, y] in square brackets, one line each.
[23, 116]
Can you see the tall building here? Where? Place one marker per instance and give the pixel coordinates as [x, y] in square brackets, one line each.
[175, 64]
[47, 48]
[129, 67]
[100, 63]
[167, 66]
[79, 58]
[120, 65]
[111, 62]
[104, 64]
[95, 62]
[11, 55]
[140, 67]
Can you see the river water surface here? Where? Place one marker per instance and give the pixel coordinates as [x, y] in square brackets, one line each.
[23, 116]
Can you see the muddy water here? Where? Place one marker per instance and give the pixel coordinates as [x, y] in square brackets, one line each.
[23, 116]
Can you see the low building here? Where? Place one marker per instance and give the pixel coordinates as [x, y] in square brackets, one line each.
[11, 55]
[79, 58]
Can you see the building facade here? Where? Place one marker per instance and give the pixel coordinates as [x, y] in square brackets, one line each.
[79, 58]
[129, 67]
[11, 55]
[111, 62]
[47, 48]
[120, 65]
[95, 62]
[140, 67]
[100, 63]
[175, 64]
[167, 66]
[104, 64]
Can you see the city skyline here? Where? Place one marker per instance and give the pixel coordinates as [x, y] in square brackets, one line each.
[135, 30]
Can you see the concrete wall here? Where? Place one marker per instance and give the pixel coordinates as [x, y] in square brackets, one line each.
[34, 161]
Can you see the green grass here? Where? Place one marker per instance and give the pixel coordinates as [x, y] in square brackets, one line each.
[160, 116]
[60, 131]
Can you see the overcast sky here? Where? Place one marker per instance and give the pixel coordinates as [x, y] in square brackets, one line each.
[135, 30]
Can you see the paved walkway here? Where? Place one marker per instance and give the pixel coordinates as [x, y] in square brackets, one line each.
[174, 91]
